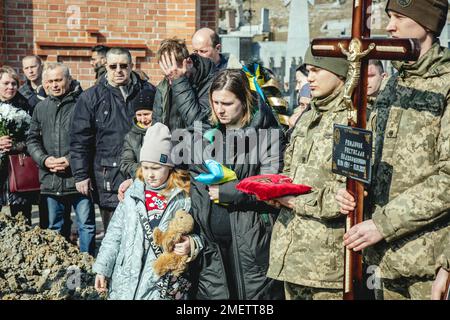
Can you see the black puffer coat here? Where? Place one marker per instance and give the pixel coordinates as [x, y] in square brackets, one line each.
[186, 100]
[251, 221]
[49, 137]
[33, 96]
[18, 101]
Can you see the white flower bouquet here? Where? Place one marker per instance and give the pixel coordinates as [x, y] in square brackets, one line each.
[14, 122]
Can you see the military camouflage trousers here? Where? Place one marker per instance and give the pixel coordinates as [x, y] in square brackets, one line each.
[298, 292]
[404, 289]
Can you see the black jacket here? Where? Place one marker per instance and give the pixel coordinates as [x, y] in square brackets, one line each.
[20, 102]
[49, 136]
[251, 221]
[100, 73]
[129, 160]
[186, 100]
[101, 120]
[33, 96]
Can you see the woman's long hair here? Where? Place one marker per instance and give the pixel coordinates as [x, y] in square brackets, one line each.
[177, 178]
[235, 81]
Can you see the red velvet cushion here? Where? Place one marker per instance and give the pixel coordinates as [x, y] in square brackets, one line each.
[271, 186]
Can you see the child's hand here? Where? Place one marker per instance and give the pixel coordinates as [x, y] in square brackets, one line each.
[184, 247]
[100, 283]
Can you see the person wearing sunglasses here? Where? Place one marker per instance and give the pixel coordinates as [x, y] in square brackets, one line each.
[104, 116]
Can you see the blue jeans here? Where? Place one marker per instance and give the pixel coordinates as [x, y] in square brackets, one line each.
[84, 210]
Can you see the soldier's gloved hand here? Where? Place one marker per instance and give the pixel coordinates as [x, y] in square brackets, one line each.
[84, 187]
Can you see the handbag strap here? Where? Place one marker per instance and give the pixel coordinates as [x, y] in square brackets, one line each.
[21, 157]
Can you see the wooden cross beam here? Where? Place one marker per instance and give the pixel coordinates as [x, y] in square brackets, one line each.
[358, 50]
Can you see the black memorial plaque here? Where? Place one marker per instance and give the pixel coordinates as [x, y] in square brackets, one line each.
[352, 153]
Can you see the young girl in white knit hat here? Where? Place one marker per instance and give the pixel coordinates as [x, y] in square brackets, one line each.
[124, 264]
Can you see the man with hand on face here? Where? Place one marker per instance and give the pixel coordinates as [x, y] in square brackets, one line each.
[104, 116]
[306, 247]
[410, 199]
[182, 97]
[48, 144]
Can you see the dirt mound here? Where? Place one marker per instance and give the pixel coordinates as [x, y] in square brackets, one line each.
[40, 264]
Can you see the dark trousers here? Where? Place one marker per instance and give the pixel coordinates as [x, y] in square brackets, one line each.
[43, 212]
[24, 209]
[106, 215]
[226, 250]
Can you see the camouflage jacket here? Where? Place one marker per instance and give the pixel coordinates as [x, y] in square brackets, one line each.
[306, 246]
[411, 179]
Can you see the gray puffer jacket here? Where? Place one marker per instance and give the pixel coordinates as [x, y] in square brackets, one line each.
[123, 258]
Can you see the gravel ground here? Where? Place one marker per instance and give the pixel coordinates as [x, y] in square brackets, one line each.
[39, 264]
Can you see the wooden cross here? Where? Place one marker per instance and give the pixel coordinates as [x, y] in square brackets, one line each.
[358, 50]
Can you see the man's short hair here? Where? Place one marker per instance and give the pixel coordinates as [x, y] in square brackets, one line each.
[38, 59]
[100, 49]
[378, 64]
[215, 40]
[54, 65]
[119, 51]
[177, 46]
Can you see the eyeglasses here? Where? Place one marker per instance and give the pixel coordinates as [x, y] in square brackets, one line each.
[123, 66]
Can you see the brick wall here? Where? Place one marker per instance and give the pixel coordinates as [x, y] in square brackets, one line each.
[2, 33]
[64, 30]
[209, 13]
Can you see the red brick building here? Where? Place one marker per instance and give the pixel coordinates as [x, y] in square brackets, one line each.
[65, 30]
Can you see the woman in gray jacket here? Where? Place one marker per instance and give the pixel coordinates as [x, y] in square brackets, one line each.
[125, 260]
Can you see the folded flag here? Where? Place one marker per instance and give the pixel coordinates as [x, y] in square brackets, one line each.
[218, 174]
[271, 186]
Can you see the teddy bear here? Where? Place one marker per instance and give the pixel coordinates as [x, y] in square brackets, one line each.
[181, 224]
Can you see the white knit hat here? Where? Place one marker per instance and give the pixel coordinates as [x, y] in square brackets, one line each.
[157, 145]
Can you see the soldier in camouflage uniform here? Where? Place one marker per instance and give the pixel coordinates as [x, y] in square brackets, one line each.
[306, 249]
[411, 179]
